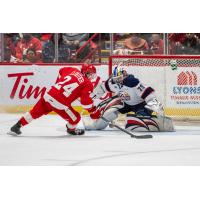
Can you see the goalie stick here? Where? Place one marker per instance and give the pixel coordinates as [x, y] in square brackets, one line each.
[126, 131]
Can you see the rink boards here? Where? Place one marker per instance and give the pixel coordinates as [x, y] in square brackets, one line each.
[22, 85]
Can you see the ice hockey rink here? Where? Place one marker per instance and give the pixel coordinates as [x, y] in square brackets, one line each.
[45, 142]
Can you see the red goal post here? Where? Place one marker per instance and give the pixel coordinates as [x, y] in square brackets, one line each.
[176, 80]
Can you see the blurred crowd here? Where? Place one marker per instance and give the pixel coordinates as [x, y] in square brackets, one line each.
[88, 47]
[175, 43]
[136, 43]
[41, 47]
[184, 43]
[22, 48]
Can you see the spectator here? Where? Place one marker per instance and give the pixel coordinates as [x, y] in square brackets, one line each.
[9, 47]
[7, 54]
[175, 41]
[119, 40]
[74, 41]
[8, 57]
[48, 47]
[64, 51]
[184, 43]
[31, 56]
[133, 45]
[147, 37]
[28, 42]
[136, 43]
[157, 44]
[191, 44]
[120, 36]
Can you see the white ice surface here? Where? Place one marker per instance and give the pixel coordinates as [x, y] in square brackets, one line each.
[45, 142]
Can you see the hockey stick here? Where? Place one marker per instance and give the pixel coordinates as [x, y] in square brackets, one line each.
[126, 131]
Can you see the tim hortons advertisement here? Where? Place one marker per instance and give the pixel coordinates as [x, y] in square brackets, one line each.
[24, 85]
[184, 90]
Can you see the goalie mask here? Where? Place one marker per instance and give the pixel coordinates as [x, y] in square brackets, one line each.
[88, 71]
[119, 74]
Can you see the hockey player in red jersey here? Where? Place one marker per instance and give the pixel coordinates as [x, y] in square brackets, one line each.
[71, 84]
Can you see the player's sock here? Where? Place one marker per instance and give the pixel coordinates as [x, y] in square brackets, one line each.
[15, 130]
[74, 131]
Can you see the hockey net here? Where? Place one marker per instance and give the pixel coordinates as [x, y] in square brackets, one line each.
[175, 79]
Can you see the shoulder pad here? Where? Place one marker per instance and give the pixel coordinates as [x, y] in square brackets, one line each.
[130, 81]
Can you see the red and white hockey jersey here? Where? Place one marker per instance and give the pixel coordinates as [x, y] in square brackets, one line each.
[71, 85]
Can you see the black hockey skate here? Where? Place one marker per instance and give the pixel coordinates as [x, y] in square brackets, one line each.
[15, 130]
[75, 131]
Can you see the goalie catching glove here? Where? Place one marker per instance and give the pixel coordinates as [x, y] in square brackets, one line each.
[155, 106]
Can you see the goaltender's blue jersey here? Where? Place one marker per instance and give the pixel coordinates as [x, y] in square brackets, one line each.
[132, 91]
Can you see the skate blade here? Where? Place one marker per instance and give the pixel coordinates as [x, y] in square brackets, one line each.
[12, 134]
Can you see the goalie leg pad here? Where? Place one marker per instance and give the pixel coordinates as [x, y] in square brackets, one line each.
[109, 109]
[146, 123]
[110, 114]
[94, 124]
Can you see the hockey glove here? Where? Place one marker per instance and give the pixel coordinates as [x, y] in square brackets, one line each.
[95, 113]
[156, 106]
[124, 96]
